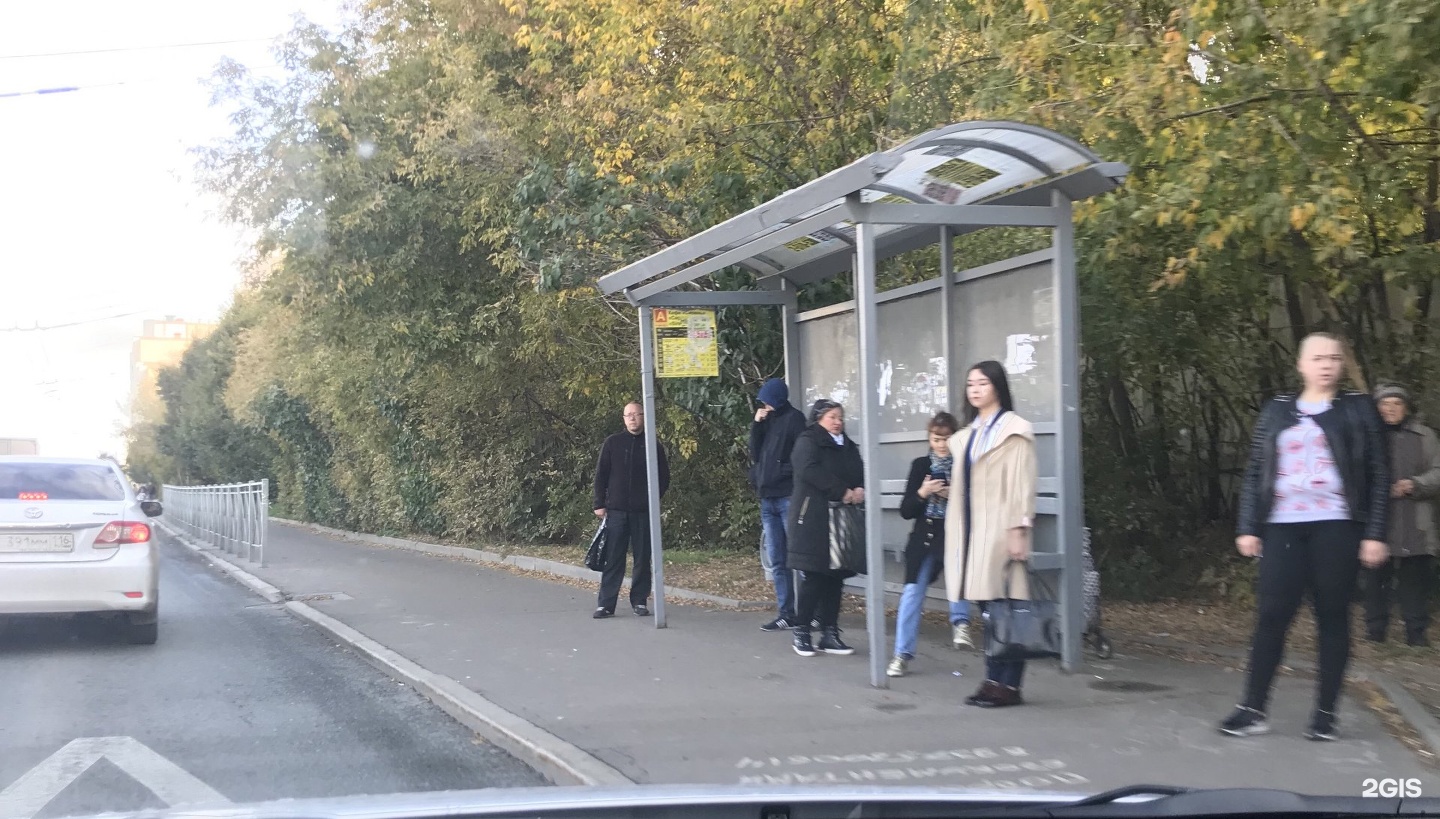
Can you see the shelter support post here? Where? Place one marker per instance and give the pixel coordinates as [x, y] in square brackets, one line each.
[652, 459]
[792, 349]
[866, 309]
[1072, 490]
[954, 392]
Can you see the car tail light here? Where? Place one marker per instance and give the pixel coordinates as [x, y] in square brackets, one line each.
[117, 532]
[34, 496]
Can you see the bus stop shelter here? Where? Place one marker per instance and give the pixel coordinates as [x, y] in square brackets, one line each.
[894, 358]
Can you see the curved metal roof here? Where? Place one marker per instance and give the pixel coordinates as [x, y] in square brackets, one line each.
[805, 234]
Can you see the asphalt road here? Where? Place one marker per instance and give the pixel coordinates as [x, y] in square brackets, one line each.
[238, 701]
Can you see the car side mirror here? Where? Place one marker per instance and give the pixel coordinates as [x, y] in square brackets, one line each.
[151, 508]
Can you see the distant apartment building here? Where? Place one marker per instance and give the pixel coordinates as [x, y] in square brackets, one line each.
[161, 344]
[19, 446]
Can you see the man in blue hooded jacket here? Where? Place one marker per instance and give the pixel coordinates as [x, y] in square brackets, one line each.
[772, 437]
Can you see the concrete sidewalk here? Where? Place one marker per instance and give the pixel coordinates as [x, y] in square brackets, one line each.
[713, 699]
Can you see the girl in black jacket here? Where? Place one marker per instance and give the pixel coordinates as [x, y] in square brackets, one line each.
[1312, 508]
[924, 502]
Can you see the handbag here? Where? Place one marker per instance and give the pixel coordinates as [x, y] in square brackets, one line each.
[595, 555]
[847, 537]
[1023, 629]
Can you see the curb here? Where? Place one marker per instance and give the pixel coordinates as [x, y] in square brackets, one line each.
[535, 564]
[530, 564]
[558, 760]
[221, 562]
[1415, 714]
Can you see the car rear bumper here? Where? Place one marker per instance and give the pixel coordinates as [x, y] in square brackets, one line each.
[72, 588]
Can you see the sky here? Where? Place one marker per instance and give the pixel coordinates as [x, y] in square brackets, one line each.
[101, 224]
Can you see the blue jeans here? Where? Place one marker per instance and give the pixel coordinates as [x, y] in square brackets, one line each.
[912, 603]
[773, 512]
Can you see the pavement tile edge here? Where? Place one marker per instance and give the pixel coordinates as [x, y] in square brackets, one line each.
[560, 761]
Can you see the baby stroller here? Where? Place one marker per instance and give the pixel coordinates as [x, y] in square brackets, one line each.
[1094, 638]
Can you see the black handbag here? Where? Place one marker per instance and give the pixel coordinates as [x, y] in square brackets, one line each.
[847, 537]
[1023, 629]
[595, 555]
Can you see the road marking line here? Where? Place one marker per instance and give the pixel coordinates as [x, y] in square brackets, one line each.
[172, 784]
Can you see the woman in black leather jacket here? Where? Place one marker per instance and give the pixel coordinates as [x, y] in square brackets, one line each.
[1312, 508]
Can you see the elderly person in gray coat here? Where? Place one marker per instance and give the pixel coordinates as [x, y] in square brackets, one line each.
[1413, 537]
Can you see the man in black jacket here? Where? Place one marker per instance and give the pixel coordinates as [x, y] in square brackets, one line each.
[772, 437]
[622, 498]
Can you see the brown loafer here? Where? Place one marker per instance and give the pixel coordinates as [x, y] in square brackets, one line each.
[1004, 697]
[985, 693]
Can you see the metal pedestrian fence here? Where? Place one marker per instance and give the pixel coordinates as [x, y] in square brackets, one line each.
[232, 517]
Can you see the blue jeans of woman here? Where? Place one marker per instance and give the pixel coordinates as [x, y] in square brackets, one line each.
[912, 603]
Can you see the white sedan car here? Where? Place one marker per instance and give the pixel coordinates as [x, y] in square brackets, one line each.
[74, 540]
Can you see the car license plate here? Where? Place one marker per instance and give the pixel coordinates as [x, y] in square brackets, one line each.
[37, 542]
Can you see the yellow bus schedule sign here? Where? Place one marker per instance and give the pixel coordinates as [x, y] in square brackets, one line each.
[685, 344]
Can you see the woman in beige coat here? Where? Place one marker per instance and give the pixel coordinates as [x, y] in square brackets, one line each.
[992, 496]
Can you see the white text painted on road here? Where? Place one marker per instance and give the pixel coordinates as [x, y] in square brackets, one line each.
[1015, 767]
[893, 757]
[169, 782]
[851, 777]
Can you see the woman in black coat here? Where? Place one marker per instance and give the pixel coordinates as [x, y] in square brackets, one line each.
[827, 469]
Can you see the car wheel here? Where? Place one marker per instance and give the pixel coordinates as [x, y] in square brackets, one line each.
[142, 634]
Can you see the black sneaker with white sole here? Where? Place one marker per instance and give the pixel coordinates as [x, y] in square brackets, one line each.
[778, 624]
[830, 643]
[602, 612]
[1245, 722]
[1322, 727]
[802, 644]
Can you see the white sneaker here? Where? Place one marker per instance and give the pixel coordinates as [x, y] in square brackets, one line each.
[896, 667]
[960, 637]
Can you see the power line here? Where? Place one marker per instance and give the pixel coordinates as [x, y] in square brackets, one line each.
[36, 327]
[60, 90]
[131, 48]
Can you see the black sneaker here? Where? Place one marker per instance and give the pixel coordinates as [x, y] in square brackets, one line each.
[778, 624]
[1245, 722]
[815, 624]
[602, 612]
[1322, 727]
[802, 644]
[642, 610]
[830, 642]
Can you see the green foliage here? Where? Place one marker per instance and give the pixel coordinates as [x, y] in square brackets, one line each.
[436, 189]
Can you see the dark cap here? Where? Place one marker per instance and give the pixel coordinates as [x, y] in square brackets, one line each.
[1392, 391]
